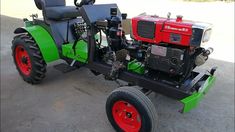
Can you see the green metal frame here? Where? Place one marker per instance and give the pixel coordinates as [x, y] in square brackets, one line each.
[192, 101]
[44, 40]
[80, 54]
[136, 67]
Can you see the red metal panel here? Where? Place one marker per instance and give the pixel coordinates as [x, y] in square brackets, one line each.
[164, 29]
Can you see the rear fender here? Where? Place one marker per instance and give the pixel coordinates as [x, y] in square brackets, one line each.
[44, 41]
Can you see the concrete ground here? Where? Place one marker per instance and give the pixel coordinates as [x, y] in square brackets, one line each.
[75, 102]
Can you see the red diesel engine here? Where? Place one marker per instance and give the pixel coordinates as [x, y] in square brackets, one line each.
[154, 29]
[174, 45]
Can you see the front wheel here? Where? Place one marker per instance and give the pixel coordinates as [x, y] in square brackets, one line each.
[130, 110]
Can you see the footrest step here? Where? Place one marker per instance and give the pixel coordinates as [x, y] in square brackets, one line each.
[64, 68]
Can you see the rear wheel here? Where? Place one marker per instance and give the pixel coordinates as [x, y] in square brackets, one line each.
[130, 110]
[28, 59]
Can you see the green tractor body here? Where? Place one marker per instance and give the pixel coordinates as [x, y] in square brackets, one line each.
[48, 47]
[80, 53]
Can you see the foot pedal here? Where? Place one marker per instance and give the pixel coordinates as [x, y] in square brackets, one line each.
[64, 68]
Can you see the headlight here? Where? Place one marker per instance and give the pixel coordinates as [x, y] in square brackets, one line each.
[201, 33]
[206, 36]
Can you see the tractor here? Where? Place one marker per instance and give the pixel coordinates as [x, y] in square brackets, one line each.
[148, 52]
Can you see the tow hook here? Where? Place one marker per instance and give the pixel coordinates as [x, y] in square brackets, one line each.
[212, 71]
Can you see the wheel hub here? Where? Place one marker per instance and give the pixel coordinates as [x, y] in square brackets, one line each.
[22, 60]
[126, 116]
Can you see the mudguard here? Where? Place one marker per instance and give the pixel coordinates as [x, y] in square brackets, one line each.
[44, 40]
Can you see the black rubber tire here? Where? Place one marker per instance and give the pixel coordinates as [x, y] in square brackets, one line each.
[38, 70]
[140, 101]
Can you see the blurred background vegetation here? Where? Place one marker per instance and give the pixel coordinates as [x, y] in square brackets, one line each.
[210, 0]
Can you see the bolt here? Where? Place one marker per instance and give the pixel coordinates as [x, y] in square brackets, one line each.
[24, 60]
[129, 115]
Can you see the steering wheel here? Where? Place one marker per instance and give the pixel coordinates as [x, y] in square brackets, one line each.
[83, 2]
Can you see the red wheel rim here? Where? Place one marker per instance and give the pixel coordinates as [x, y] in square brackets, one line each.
[126, 116]
[22, 60]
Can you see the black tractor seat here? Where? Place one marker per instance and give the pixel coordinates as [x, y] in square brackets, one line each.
[56, 10]
[61, 12]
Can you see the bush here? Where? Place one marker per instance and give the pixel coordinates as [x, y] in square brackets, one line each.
[210, 0]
